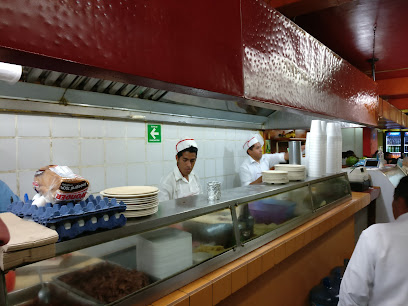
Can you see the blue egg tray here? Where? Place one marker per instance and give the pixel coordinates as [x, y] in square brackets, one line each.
[71, 220]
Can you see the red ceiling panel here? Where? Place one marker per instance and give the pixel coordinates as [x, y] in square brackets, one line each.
[348, 30]
[192, 47]
[285, 65]
[190, 43]
[399, 103]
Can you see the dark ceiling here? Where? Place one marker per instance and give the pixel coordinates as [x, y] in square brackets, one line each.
[347, 28]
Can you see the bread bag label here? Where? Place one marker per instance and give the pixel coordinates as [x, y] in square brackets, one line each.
[60, 184]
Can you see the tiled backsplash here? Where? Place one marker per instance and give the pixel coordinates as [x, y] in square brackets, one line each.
[111, 153]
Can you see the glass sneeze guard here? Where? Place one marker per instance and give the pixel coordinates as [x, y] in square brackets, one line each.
[142, 267]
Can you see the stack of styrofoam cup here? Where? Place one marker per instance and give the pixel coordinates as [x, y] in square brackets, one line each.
[339, 147]
[305, 160]
[331, 154]
[317, 150]
[334, 143]
[324, 125]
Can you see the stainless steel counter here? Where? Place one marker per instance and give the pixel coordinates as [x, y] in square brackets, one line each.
[300, 201]
[185, 208]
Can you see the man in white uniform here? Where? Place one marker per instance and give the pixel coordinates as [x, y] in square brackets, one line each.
[377, 273]
[251, 169]
[182, 181]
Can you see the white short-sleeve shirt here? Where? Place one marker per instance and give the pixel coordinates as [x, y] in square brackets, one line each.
[377, 272]
[251, 170]
[175, 186]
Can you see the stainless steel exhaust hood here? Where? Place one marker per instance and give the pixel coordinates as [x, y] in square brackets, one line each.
[46, 91]
[239, 51]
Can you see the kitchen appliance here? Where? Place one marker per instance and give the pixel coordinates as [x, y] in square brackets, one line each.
[372, 163]
[393, 144]
[295, 152]
[359, 179]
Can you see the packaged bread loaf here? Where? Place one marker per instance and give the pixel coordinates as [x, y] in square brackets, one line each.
[59, 184]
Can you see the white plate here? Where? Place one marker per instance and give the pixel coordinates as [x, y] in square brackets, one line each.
[275, 177]
[294, 176]
[141, 203]
[131, 190]
[128, 196]
[280, 179]
[141, 207]
[276, 182]
[135, 200]
[274, 172]
[140, 213]
[290, 167]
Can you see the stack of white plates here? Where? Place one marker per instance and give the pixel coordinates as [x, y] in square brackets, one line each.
[275, 177]
[295, 172]
[140, 200]
[164, 252]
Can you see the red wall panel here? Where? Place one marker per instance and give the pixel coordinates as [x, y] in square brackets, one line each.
[370, 141]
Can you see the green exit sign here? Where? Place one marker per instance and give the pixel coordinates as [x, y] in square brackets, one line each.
[153, 133]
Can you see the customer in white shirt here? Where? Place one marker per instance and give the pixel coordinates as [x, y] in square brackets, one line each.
[377, 273]
[251, 169]
[182, 181]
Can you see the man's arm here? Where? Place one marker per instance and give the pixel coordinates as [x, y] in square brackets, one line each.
[166, 189]
[246, 177]
[276, 158]
[257, 181]
[164, 194]
[358, 279]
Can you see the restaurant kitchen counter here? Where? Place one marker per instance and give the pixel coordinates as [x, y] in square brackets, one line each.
[284, 270]
[241, 230]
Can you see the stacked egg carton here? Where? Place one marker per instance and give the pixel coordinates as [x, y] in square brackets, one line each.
[71, 220]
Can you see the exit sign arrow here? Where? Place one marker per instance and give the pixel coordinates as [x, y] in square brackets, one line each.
[154, 133]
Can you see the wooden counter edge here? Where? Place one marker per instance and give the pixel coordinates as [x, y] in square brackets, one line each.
[264, 258]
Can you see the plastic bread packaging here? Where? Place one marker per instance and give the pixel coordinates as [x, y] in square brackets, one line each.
[58, 184]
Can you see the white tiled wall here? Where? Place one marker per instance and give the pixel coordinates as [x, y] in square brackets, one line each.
[353, 140]
[111, 153]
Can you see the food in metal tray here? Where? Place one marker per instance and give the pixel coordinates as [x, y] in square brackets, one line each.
[106, 282]
[57, 297]
[211, 249]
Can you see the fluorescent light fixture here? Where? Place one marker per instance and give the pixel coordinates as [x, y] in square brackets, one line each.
[345, 125]
[10, 73]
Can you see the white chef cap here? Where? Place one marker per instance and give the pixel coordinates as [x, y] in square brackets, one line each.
[185, 143]
[251, 140]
